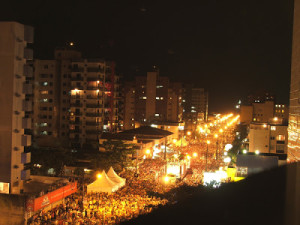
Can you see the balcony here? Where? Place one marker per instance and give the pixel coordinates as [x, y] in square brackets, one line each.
[28, 54]
[93, 114]
[26, 140]
[95, 69]
[93, 132]
[75, 131]
[27, 105]
[27, 89]
[25, 157]
[76, 122]
[94, 105]
[76, 105]
[26, 123]
[93, 123]
[28, 71]
[94, 79]
[76, 78]
[25, 174]
[78, 69]
[77, 113]
[92, 88]
[93, 96]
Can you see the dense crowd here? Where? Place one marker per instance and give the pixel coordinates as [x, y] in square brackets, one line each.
[128, 202]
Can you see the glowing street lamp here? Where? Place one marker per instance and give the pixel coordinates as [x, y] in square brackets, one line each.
[166, 179]
[148, 151]
[227, 160]
[244, 151]
[189, 133]
[256, 152]
[99, 175]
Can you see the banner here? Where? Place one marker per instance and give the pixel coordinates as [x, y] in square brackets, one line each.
[54, 196]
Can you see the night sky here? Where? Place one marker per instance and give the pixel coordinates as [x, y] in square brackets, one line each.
[231, 48]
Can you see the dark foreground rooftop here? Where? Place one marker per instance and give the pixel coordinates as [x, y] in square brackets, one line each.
[271, 197]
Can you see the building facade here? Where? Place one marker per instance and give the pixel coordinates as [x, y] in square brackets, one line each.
[151, 98]
[195, 105]
[75, 99]
[271, 137]
[294, 111]
[15, 83]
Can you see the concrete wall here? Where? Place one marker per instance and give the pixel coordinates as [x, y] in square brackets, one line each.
[12, 209]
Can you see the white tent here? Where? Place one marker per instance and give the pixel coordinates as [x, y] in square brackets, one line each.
[103, 184]
[115, 178]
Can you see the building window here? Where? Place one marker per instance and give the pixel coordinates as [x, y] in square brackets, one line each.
[273, 128]
[45, 66]
[280, 137]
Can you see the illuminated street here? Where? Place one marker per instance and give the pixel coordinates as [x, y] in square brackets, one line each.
[203, 152]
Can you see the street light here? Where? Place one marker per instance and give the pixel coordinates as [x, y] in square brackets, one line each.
[217, 145]
[99, 175]
[207, 142]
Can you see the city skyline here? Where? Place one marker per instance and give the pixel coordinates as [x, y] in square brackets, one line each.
[230, 49]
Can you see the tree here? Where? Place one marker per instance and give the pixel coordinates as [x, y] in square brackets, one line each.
[116, 153]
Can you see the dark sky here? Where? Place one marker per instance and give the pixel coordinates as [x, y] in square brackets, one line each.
[231, 48]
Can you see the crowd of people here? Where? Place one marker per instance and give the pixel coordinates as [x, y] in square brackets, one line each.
[128, 202]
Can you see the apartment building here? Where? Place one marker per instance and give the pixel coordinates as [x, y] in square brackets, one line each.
[270, 137]
[75, 99]
[195, 105]
[52, 85]
[94, 101]
[152, 98]
[262, 111]
[15, 85]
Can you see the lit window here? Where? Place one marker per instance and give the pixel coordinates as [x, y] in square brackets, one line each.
[43, 124]
[44, 92]
[273, 128]
[156, 114]
[45, 83]
[157, 98]
[44, 133]
[282, 111]
[280, 137]
[44, 100]
[183, 100]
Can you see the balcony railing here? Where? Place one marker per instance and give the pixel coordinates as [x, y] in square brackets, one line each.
[94, 79]
[93, 123]
[76, 122]
[76, 105]
[94, 105]
[93, 132]
[93, 114]
[94, 96]
[76, 78]
[77, 69]
[75, 131]
[95, 69]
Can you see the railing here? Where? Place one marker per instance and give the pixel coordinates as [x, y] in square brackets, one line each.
[93, 114]
[94, 105]
[76, 105]
[77, 69]
[75, 131]
[76, 78]
[95, 69]
[93, 123]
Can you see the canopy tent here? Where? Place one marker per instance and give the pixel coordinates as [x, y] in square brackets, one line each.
[115, 178]
[103, 184]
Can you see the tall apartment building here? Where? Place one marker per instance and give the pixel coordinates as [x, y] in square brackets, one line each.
[94, 100]
[15, 82]
[152, 98]
[75, 99]
[52, 85]
[294, 112]
[195, 104]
